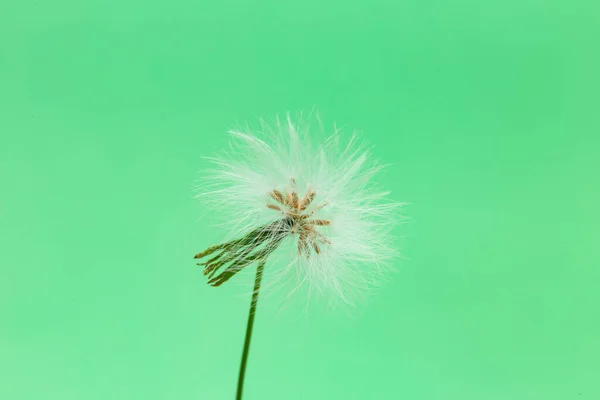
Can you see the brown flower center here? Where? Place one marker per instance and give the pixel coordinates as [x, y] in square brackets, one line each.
[296, 209]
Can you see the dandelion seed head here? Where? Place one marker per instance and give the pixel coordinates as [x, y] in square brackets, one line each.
[338, 231]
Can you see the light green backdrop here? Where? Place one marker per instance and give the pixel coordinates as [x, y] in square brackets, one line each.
[488, 111]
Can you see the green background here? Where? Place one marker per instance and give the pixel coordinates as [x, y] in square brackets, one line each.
[488, 111]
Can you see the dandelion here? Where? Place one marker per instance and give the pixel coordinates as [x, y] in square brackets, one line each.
[307, 202]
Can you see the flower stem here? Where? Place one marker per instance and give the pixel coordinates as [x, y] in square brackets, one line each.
[257, 280]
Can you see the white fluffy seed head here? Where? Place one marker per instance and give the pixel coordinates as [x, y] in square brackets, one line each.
[347, 247]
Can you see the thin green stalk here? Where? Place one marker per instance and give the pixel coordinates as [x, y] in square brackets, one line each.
[257, 280]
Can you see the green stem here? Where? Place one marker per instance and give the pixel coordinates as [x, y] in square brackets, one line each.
[257, 280]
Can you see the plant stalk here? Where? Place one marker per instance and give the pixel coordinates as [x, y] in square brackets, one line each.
[252, 312]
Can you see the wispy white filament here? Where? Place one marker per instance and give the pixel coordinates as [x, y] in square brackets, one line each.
[340, 171]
